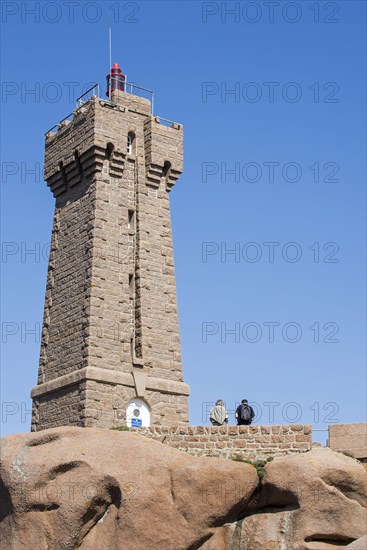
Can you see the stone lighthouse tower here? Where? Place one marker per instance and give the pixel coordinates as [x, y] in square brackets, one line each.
[110, 351]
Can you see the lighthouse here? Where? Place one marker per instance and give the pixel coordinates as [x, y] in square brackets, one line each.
[110, 351]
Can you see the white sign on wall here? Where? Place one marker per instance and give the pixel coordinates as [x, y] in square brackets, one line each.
[137, 414]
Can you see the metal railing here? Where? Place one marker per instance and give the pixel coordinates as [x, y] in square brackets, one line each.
[145, 93]
[165, 121]
[129, 87]
[119, 82]
[57, 126]
[94, 91]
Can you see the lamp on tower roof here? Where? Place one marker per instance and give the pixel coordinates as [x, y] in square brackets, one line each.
[115, 80]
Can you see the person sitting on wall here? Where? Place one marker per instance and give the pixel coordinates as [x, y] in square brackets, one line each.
[244, 413]
[218, 414]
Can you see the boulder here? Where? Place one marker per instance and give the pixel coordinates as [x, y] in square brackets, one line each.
[310, 501]
[92, 489]
[359, 544]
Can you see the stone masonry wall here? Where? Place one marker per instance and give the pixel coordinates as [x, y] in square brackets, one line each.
[63, 347]
[66, 408]
[245, 442]
[351, 438]
[106, 405]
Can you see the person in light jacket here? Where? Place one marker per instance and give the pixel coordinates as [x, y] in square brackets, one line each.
[218, 414]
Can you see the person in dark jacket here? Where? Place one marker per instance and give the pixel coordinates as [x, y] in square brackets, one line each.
[244, 413]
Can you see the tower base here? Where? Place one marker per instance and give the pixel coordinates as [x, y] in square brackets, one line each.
[95, 397]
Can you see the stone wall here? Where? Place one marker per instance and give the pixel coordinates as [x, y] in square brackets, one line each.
[63, 347]
[66, 407]
[246, 442]
[350, 438]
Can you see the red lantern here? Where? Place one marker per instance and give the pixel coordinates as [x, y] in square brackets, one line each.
[115, 80]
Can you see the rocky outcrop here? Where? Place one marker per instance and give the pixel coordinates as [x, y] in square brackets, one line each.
[313, 501]
[360, 544]
[91, 489]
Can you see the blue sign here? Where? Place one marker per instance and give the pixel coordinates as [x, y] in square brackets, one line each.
[136, 422]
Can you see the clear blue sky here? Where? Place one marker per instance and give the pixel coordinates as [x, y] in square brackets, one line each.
[292, 131]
